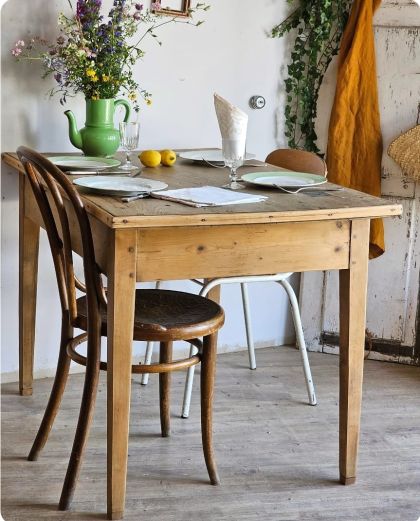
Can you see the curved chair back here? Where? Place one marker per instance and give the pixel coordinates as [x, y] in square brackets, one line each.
[298, 160]
[58, 201]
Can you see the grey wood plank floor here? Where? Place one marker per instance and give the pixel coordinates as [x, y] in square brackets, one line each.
[277, 456]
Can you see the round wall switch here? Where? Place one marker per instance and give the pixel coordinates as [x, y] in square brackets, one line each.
[257, 102]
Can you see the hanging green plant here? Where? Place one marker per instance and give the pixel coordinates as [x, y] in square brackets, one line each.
[320, 25]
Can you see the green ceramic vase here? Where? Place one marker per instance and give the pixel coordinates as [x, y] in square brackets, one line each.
[99, 137]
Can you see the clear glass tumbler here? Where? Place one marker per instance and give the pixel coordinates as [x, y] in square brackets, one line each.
[129, 135]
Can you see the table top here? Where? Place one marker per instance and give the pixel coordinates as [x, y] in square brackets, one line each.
[278, 207]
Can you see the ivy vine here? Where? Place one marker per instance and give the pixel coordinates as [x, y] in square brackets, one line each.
[320, 25]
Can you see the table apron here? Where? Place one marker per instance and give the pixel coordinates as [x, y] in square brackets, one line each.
[234, 250]
[176, 253]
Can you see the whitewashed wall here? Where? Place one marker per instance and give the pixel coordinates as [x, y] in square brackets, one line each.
[393, 306]
[230, 54]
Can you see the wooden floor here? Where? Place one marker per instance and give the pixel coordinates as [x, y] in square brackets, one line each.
[277, 456]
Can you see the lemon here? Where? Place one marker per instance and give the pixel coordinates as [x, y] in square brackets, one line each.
[168, 157]
[150, 158]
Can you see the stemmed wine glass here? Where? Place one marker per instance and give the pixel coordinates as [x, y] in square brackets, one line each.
[233, 154]
[129, 135]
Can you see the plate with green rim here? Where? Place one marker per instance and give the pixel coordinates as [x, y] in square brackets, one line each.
[119, 186]
[284, 179]
[83, 162]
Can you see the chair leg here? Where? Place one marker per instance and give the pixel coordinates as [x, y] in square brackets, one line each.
[301, 341]
[85, 419]
[149, 349]
[56, 395]
[165, 390]
[208, 369]
[147, 361]
[188, 386]
[248, 325]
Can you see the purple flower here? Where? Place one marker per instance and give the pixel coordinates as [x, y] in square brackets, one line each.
[60, 40]
[139, 7]
[137, 16]
[16, 51]
[58, 77]
[87, 11]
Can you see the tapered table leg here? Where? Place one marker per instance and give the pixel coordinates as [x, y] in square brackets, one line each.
[28, 278]
[121, 300]
[353, 287]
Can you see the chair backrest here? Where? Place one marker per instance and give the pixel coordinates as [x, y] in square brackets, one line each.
[57, 199]
[298, 160]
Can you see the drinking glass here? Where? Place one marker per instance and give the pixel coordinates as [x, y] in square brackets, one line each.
[233, 154]
[129, 135]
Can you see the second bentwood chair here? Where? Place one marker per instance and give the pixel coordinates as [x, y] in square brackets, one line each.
[160, 315]
[289, 159]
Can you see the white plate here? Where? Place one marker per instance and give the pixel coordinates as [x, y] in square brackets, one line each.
[83, 162]
[284, 179]
[122, 186]
[212, 156]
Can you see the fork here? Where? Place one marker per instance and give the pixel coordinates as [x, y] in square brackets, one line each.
[315, 188]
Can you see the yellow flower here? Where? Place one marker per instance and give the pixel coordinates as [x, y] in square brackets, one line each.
[94, 78]
[106, 78]
[90, 73]
[148, 101]
[132, 95]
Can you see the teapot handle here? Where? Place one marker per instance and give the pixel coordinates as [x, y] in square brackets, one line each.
[127, 107]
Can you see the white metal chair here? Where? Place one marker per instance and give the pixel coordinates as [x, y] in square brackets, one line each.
[300, 161]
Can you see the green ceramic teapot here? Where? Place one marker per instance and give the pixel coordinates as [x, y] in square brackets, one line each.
[99, 137]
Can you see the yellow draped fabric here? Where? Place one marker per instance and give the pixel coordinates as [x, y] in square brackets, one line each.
[354, 138]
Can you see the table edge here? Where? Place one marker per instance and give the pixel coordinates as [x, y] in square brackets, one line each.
[203, 219]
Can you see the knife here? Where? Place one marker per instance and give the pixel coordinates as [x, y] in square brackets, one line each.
[135, 197]
[101, 172]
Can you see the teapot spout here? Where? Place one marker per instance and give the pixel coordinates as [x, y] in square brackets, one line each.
[74, 134]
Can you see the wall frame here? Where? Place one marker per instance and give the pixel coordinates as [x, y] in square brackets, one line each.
[173, 7]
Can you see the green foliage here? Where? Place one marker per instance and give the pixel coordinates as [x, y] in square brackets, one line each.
[319, 25]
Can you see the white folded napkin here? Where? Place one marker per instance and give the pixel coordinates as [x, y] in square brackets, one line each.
[233, 122]
[207, 196]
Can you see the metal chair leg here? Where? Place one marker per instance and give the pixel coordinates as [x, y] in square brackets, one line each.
[147, 361]
[281, 279]
[188, 386]
[248, 325]
[300, 340]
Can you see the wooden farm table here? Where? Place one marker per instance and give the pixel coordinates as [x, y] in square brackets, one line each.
[153, 239]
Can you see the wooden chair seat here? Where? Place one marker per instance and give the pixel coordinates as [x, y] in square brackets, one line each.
[164, 315]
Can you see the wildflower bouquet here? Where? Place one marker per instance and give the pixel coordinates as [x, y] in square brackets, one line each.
[95, 55]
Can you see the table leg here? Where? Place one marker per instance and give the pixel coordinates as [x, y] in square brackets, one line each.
[121, 300]
[353, 287]
[28, 278]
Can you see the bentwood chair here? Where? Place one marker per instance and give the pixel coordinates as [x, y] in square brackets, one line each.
[299, 161]
[160, 316]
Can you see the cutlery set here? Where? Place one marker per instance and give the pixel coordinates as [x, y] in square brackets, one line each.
[314, 189]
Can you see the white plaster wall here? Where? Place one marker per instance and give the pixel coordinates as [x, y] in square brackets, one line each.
[230, 54]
